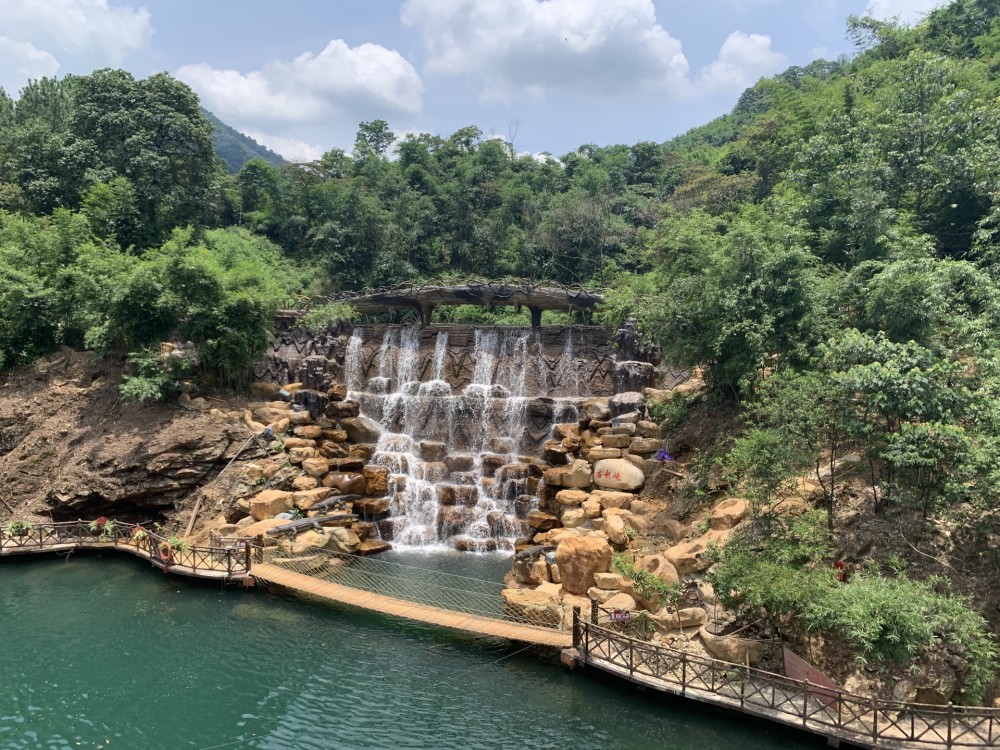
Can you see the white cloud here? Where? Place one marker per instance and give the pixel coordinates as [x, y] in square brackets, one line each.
[339, 81]
[92, 29]
[20, 62]
[527, 46]
[908, 11]
[293, 149]
[742, 60]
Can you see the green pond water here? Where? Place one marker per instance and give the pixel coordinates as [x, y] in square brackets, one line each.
[104, 651]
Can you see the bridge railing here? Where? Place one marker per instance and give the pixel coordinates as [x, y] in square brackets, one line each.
[234, 559]
[798, 702]
[448, 591]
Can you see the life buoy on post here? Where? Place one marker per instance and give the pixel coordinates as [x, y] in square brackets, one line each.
[166, 553]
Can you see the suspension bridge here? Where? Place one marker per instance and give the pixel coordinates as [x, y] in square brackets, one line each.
[595, 639]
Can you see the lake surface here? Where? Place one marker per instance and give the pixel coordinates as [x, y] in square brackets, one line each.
[105, 651]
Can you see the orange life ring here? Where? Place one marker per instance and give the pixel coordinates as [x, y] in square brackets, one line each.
[166, 552]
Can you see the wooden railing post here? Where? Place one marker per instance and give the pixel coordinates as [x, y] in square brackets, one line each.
[631, 657]
[247, 555]
[743, 684]
[951, 713]
[684, 672]
[576, 627]
[874, 718]
[805, 700]
[593, 612]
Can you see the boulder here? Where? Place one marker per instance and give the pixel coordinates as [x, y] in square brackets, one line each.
[304, 483]
[591, 507]
[621, 601]
[345, 483]
[576, 474]
[573, 517]
[343, 410]
[623, 403]
[599, 453]
[306, 499]
[729, 512]
[298, 455]
[343, 540]
[579, 559]
[596, 408]
[298, 442]
[615, 441]
[609, 581]
[571, 497]
[613, 499]
[308, 432]
[269, 503]
[690, 617]
[614, 527]
[732, 649]
[259, 528]
[566, 430]
[337, 392]
[376, 479]
[361, 429]
[532, 606]
[688, 557]
[372, 508]
[303, 542]
[642, 446]
[618, 474]
[660, 566]
[316, 466]
[542, 521]
[645, 428]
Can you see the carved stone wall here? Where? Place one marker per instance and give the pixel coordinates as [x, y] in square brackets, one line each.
[559, 361]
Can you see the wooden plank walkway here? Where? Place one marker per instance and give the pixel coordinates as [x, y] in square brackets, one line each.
[410, 610]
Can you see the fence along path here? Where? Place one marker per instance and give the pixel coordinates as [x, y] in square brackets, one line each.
[452, 601]
[867, 722]
[230, 564]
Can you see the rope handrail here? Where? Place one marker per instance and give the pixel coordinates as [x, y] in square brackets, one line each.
[819, 708]
[417, 585]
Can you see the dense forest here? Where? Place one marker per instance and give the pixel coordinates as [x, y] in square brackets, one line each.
[829, 251]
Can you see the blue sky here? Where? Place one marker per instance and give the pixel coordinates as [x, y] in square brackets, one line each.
[299, 75]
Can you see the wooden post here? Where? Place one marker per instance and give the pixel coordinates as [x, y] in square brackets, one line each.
[951, 713]
[576, 627]
[631, 657]
[684, 672]
[743, 685]
[593, 612]
[805, 701]
[874, 718]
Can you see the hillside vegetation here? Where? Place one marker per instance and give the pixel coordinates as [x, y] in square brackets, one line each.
[829, 251]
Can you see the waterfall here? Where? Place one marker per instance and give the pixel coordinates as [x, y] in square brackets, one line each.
[456, 454]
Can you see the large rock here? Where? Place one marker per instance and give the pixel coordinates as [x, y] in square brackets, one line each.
[542, 521]
[613, 499]
[691, 617]
[688, 557]
[579, 559]
[622, 403]
[659, 566]
[270, 503]
[316, 466]
[618, 474]
[644, 446]
[259, 528]
[620, 601]
[298, 455]
[343, 540]
[573, 517]
[531, 605]
[596, 408]
[361, 429]
[376, 479]
[729, 512]
[732, 649]
[303, 542]
[306, 499]
[576, 475]
[571, 498]
[343, 410]
[614, 527]
[346, 483]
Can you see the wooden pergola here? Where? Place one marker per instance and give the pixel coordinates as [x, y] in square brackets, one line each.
[426, 298]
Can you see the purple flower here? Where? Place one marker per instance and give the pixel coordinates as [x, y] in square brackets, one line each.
[662, 455]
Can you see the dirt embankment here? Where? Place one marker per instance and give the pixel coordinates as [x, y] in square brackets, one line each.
[70, 448]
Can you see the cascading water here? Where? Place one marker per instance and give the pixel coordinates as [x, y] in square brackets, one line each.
[457, 473]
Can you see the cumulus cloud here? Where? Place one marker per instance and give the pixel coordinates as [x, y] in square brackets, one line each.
[575, 46]
[311, 87]
[91, 29]
[293, 149]
[38, 36]
[22, 61]
[908, 11]
[742, 60]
